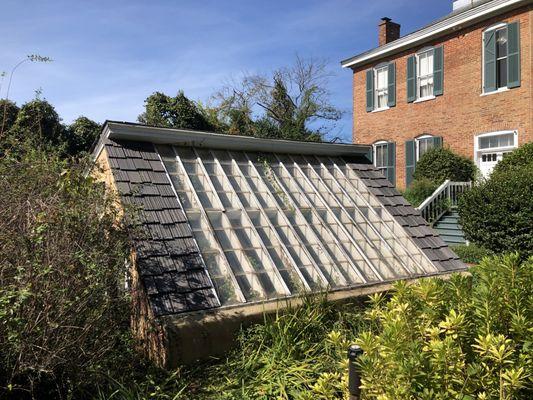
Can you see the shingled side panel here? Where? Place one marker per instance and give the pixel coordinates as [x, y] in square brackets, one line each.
[168, 260]
[409, 218]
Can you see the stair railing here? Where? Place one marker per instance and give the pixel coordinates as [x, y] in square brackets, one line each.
[443, 199]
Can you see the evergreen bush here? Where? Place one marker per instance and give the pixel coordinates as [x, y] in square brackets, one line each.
[497, 214]
[419, 191]
[521, 157]
[439, 164]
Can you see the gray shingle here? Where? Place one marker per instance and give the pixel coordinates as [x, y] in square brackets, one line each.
[167, 256]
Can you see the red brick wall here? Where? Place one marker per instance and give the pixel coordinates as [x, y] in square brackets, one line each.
[461, 112]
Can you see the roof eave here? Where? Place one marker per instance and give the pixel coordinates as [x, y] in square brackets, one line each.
[454, 22]
[184, 137]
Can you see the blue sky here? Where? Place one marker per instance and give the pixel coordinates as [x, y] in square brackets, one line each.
[110, 55]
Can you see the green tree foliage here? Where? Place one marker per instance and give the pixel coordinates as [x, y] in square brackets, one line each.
[38, 122]
[419, 191]
[63, 315]
[174, 112]
[439, 164]
[10, 110]
[81, 134]
[519, 158]
[497, 214]
[466, 338]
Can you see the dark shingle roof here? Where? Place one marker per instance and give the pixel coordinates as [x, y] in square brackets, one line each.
[168, 260]
[409, 218]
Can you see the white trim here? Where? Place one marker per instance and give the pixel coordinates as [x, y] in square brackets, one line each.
[422, 99]
[454, 22]
[384, 67]
[500, 90]
[417, 144]
[380, 109]
[495, 27]
[429, 52]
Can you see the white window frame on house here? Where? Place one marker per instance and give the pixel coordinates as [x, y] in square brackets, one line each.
[498, 150]
[382, 165]
[422, 139]
[496, 27]
[381, 91]
[427, 77]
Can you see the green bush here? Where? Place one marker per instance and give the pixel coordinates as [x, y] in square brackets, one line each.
[466, 338]
[470, 253]
[497, 214]
[521, 157]
[419, 191]
[64, 316]
[439, 164]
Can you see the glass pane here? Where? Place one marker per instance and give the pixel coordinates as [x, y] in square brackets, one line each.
[501, 43]
[501, 67]
[488, 142]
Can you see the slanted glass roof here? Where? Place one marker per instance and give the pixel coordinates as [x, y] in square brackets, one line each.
[274, 225]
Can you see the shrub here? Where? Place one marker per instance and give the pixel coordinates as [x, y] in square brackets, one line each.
[521, 157]
[466, 338]
[497, 213]
[439, 164]
[63, 314]
[471, 253]
[419, 191]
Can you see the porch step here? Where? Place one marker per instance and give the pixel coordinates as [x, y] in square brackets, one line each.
[449, 229]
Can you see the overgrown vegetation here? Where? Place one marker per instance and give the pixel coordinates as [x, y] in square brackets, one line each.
[64, 316]
[517, 159]
[497, 213]
[419, 191]
[470, 253]
[464, 338]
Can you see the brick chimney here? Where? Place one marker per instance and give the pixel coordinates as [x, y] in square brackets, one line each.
[388, 31]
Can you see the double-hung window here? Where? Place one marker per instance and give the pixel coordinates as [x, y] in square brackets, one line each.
[423, 144]
[501, 57]
[385, 159]
[425, 74]
[381, 84]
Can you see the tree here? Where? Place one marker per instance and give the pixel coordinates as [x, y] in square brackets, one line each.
[439, 164]
[10, 110]
[294, 99]
[38, 122]
[81, 134]
[173, 112]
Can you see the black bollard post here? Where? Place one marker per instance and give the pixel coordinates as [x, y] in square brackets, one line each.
[354, 379]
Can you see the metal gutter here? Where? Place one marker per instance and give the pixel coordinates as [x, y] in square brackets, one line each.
[183, 137]
[452, 23]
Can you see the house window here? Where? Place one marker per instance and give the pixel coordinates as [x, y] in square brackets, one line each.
[501, 58]
[490, 148]
[423, 144]
[385, 159]
[425, 74]
[381, 155]
[381, 85]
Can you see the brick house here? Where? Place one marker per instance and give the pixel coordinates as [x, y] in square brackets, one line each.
[464, 81]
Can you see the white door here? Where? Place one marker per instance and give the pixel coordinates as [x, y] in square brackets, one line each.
[487, 162]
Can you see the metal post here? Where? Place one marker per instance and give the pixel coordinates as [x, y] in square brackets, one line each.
[354, 378]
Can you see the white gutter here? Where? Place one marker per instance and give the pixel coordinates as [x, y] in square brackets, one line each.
[183, 137]
[452, 23]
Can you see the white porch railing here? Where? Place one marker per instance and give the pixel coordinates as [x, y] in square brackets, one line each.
[443, 198]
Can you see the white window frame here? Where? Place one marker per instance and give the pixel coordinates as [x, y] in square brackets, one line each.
[385, 91]
[478, 153]
[375, 146]
[417, 144]
[495, 27]
[419, 77]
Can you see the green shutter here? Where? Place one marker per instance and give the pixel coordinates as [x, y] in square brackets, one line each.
[513, 55]
[391, 163]
[438, 71]
[369, 90]
[411, 79]
[437, 141]
[489, 54]
[410, 161]
[391, 92]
